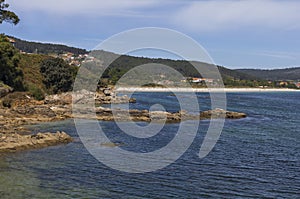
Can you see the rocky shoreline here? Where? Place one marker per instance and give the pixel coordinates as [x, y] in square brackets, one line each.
[26, 111]
[161, 116]
[15, 142]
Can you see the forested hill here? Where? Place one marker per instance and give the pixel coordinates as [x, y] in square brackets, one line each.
[45, 48]
[274, 75]
[124, 63]
[235, 74]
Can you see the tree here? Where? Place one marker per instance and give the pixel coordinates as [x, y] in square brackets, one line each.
[58, 75]
[6, 15]
[10, 73]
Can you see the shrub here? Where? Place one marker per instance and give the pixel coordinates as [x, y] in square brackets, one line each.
[58, 75]
[10, 73]
[36, 92]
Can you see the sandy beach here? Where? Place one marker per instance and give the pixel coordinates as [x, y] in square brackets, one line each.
[227, 90]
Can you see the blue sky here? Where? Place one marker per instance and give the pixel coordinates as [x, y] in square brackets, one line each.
[237, 34]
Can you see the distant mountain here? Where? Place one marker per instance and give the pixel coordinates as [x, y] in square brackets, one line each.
[45, 48]
[275, 74]
[236, 74]
[124, 63]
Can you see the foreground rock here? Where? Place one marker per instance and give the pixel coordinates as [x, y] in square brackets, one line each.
[16, 142]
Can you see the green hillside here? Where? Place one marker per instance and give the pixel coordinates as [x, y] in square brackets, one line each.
[124, 62]
[274, 75]
[30, 65]
[37, 74]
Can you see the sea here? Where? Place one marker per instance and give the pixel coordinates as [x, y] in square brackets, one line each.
[254, 157]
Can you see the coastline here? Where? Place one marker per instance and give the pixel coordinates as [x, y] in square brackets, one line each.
[14, 135]
[204, 90]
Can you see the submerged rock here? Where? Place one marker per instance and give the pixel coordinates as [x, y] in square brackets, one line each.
[111, 144]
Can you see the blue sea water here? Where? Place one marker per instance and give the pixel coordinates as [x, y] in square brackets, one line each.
[255, 157]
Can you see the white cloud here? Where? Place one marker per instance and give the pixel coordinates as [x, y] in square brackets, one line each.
[279, 55]
[235, 14]
[204, 15]
[87, 7]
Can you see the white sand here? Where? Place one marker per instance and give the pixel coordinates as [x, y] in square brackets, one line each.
[227, 90]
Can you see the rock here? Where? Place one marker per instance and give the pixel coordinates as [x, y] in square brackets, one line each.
[146, 116]
[132, 100]
[85, 97]
[111, 144]
[18, 99]
[41, 110]
[4, 90]
[158, 115]
[16, 142]
[26, 111]
[107, 92]
[113, 99]
[235, 115]
[59, 99]
[220, 113]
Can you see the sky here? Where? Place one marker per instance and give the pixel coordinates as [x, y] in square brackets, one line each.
[260, 34]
